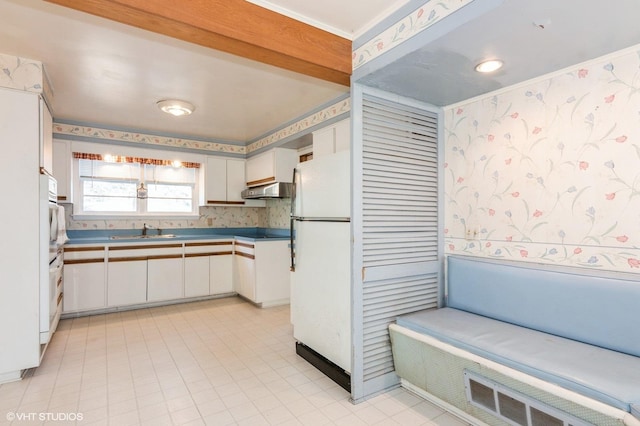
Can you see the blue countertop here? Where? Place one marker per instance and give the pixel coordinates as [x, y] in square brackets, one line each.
[103, 236]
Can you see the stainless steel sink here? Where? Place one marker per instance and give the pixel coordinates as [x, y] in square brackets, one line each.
[141, 237]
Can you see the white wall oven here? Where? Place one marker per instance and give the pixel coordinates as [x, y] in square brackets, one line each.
[51, 265]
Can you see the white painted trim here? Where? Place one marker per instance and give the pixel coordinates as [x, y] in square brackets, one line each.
[632, 49]
[12, 376]
[555, 390]
[302, 18]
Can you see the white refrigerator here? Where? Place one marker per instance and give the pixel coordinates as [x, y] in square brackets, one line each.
[321, 257]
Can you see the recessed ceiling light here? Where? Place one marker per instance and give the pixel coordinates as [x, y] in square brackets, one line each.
[489, 66]
[176, 107]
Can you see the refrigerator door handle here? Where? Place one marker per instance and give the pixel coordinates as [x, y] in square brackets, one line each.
[292, 268]
[321, 219]
[291, 225]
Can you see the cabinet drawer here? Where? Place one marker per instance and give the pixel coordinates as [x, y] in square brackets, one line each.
[145, 252]
[84, 254]
[208, 248]
[245, 249]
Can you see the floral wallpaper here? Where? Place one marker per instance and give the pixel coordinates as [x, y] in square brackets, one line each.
[549, 171]
[325, 114]
[421, 19]
[20, 73]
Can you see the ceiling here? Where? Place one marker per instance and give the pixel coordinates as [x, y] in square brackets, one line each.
[533, 38]
[108, 74]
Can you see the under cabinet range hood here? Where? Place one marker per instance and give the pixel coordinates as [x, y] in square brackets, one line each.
[272, 190]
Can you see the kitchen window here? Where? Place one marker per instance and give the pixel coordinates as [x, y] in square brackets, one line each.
[116, 185]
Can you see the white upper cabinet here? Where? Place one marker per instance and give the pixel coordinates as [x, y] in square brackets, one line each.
[332, 139]
[275, 165]
[224, 181]
[62, 169]
[46, 137]
[235, 180]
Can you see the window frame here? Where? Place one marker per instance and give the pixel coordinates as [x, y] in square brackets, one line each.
[141, 204]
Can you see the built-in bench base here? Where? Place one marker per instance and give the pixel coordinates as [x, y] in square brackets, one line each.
[437, 368]
[563, 336]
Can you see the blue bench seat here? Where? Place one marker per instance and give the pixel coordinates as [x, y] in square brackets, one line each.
[602, 374]
[575, 328]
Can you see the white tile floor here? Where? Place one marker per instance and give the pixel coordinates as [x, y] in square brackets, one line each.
[217, 362]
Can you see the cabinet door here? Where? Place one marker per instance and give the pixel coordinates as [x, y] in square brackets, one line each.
[84, 287]
[261, 169]
[221, 274]
[164, 279]
[272, 272]
[235, 180]
[62, 169]
[245, 276]
[215, 188]
[46, 142]
[342, 136]
[126, 282]
[196, 276]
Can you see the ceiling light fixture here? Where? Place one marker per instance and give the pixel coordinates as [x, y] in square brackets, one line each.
[489, 66]
[176, 107]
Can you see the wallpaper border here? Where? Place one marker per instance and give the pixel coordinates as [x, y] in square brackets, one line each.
[419, 20]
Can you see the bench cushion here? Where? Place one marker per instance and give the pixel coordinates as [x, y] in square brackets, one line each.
[567, 302]
[604, 375]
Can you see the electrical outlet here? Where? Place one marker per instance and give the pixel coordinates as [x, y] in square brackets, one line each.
[209, 221]
[471, 234]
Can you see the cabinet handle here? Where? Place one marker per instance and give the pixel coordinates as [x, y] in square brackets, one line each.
[165, 256]
[145, 246]
[224, 243]
[259, 181]
[70, 249]
[225, 202]
[78, 261]
[216, 253]
[247, 245]
[248, 256]
[127, 259]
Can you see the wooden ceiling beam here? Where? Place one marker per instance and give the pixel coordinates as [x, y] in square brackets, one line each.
[237, 27]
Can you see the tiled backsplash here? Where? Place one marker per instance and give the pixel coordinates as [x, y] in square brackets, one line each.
[275, 215]
[278, 213]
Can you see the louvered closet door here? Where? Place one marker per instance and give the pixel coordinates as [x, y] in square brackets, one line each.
[397, 255]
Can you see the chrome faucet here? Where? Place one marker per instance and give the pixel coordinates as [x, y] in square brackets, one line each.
[146, 227]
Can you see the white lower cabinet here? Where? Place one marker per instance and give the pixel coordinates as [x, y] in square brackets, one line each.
[84, 284]
[208, 268]
[196, 276]
[272, 272]
[126, 282]
[125, 274]
[262, 271]
[164, 278]
[245, 275]
[221, 274]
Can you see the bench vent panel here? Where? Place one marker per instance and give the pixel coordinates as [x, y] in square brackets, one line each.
[513, 407]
